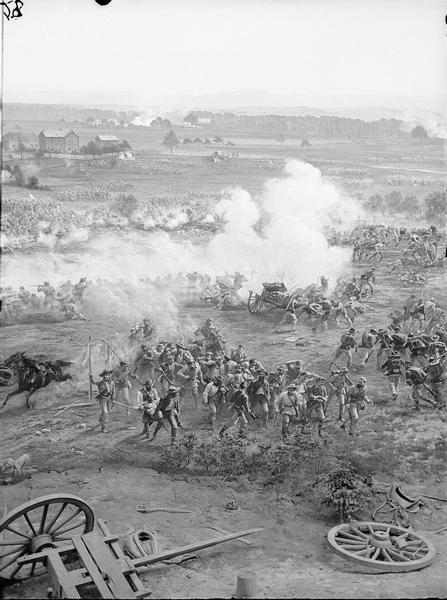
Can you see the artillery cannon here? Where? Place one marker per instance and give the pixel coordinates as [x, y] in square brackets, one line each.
[274, 294]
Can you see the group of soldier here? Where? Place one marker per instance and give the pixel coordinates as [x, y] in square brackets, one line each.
[65, 299]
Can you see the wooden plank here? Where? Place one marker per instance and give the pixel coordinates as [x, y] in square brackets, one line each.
[246, 542]
[150, 560]
[60, 577]
[41, 555]
[103, 557]
[135, 581]
[92, 569]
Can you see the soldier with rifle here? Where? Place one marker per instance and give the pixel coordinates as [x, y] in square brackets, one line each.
[289, 404]
[384, 341]
[347, 343]
[393, 370]
[169, 409]
[105, 396]
[148, 400]
[339, 383]
[317, 401]
[356, 399]
[240, 408]
[259, 392]
[368, 342]
[436, 372]
[416, 379]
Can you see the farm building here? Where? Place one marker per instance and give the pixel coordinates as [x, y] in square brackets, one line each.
[105, 141]
[59, 140]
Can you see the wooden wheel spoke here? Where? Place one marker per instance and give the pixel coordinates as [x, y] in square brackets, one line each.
[12, 530]
[12, 543]
[19, 554]
[54, 519]
[386, 555]
[15, 571]
[397, 555]
[376, 554]
[360, 533]
[30, 525]
[67, 520]
[67, 529]
[23, 547]
[350, 536]
[43, 518]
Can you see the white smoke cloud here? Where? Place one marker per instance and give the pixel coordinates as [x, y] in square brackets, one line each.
[289, 246]
[434, 123]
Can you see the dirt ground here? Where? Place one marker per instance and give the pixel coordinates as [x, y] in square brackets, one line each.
[117, 471]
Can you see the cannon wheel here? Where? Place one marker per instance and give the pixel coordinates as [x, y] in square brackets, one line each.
[382, 546]
[254, 303]
[48, 521]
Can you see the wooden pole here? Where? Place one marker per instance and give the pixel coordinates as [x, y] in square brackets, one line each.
[149, 560]
[67, 407]
[90, 385]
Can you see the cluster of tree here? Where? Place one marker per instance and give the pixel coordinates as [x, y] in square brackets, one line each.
[21, 179]
[322, 126]
[206, 141]
[57, 112]
[95, 149]
[433, 207]
[160, 123]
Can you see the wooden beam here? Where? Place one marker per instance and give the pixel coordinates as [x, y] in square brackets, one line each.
[150, 560]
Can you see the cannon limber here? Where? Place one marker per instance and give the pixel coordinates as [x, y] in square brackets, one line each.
[57, 534]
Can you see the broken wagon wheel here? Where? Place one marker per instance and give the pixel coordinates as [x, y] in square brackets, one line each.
[254, 303]
[381, 546]
[46, 522]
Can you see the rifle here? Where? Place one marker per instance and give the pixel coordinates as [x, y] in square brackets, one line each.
[132, 374]
[164, 372]
[372, 350]
[347, 378]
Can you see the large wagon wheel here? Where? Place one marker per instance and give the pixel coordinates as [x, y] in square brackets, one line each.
[382, 546]
[254, 303]
[46, 522]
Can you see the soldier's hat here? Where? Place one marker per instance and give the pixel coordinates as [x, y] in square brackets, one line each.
[320, 379]
[292, 386]
[149, 380]
[218, 378]
[432, 359]
[281, 368]
[172, 389]
[262, 372]
[105, 372]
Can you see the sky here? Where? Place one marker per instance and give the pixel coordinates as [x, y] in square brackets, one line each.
[151, 48]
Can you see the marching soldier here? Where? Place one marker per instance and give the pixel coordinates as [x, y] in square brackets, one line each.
[368, 342]
[122, 376]
[191, 376]
[436, 372]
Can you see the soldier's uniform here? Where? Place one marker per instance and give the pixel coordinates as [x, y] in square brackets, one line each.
[169, 408]
[339, 382]
[436, 372]
[122, 382]
[259, 392]
[416, 377]
[214, 397]
[191, 376]
[148, 400]
[289, 404]
[240, 408]
[393, 370]
[105, 397]
[347, 343]
[355, 400]
[316, 403]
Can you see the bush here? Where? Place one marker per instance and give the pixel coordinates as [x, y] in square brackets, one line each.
[343, 491]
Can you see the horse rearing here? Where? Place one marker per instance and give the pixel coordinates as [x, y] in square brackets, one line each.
[31, 377]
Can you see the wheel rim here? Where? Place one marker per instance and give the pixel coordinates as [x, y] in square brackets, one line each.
[381, 546]
[254, 303]
[46, 522]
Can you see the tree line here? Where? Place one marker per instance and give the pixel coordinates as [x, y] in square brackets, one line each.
[323, 126]
[433, 208]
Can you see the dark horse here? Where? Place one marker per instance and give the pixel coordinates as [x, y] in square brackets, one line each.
[34, 375]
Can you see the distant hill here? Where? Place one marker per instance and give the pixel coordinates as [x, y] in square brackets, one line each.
[56, 112]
